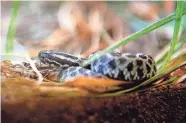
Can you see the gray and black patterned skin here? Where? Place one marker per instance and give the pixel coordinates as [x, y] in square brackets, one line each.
[126, 66]
[120, 66]
[72, 72]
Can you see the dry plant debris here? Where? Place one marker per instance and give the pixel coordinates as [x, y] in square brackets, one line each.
[95, 29]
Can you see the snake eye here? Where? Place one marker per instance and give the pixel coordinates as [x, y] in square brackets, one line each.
[43, 54]
[40, 54]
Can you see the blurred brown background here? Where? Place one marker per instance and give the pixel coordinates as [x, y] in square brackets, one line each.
[86, 27]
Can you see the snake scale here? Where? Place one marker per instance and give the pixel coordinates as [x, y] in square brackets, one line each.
[119, 66]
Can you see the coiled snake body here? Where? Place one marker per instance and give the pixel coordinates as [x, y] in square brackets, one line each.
[120, 66]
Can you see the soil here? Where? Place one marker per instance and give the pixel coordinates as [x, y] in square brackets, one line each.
[162, 105]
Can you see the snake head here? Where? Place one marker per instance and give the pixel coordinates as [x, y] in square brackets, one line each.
[59, 58]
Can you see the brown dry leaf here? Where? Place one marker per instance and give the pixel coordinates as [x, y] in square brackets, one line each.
[57, 38]
[177, 61]
[78, 26]
[181, 72]
[168, 7]
[17, 70]
[52, 90]
[144, 10]
[96, 85]
[7, 70]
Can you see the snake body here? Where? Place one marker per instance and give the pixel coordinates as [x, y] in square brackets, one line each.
[120, 66]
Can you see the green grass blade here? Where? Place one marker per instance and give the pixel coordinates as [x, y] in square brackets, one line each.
[179, 11]
[11, 30]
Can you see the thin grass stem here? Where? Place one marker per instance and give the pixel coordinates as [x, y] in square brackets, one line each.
[179, 11]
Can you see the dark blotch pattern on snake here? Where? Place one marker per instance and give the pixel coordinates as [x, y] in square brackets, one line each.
[119, 66]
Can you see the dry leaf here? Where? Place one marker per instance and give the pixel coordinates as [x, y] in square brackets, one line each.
[177, 61]
[179, 72]
[96, 85]
[168, 7]
[144, 10]
[78, 26]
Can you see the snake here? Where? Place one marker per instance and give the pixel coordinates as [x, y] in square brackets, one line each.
[118, 66]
